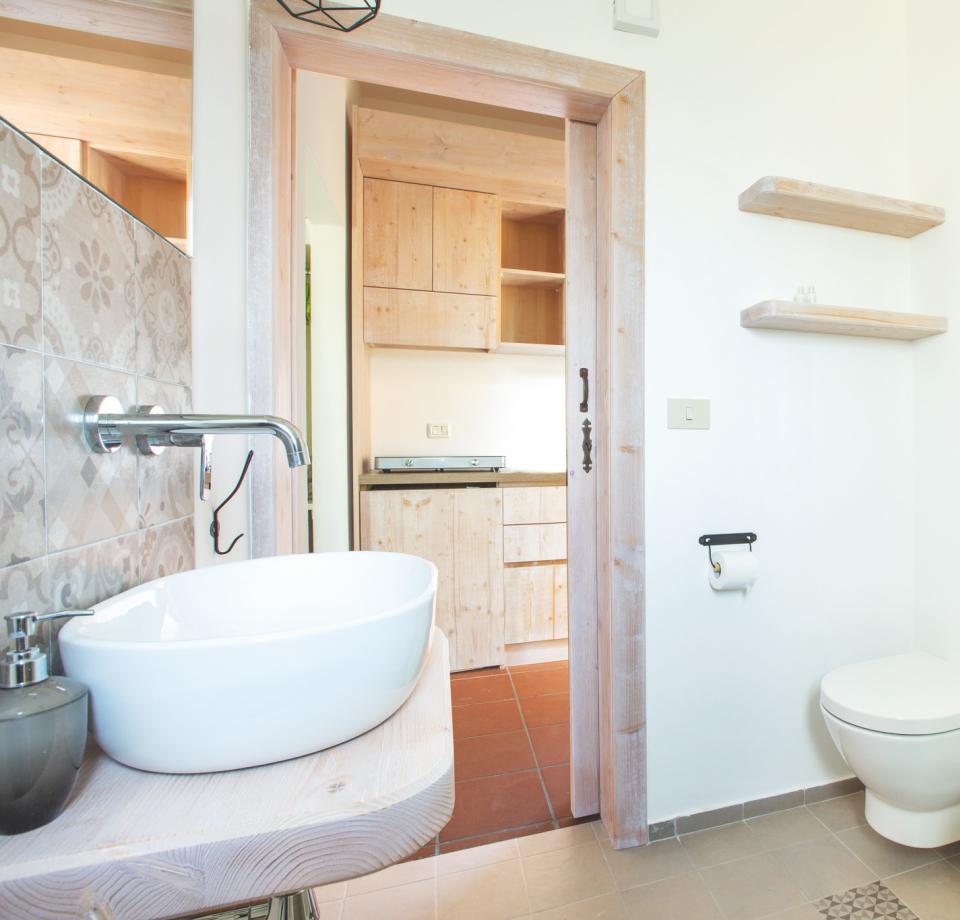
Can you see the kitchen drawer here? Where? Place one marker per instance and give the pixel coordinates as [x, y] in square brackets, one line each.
[535, 602]
[534, 542]
[535, 505]
[426, 319]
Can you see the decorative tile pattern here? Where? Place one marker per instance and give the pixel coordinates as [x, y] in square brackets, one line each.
[24, 587]
[21, 455]
[165, 481]
[84, 577]
[89, 293]
[163, 326]
[872, 902]
[166, 550]
[90, 497]
[19, 240]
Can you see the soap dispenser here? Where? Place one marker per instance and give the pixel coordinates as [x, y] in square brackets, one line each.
[43, 729]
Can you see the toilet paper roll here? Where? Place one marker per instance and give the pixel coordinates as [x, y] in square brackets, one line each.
[738, 571]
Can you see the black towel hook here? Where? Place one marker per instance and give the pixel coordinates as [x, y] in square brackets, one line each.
[215, 524]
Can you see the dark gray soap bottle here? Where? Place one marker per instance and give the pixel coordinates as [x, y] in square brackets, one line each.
[43, 729]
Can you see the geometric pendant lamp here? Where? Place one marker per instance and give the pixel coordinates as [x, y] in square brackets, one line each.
[344, 15]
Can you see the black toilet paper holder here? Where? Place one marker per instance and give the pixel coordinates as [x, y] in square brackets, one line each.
[709, 540]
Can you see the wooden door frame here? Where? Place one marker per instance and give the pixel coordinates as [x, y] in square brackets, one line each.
[598, 100]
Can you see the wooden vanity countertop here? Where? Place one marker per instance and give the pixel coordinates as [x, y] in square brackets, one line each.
[504, 478]
[141, 845]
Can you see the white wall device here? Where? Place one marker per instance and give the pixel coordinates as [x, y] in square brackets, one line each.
[641, 16]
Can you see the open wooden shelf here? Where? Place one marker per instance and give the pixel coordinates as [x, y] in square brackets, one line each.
[518, 277]
[839, 207]
[877, 324]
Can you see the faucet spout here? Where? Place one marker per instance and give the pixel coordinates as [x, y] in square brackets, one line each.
[105, 427]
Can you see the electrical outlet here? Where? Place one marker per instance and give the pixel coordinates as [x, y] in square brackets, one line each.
[438, 430]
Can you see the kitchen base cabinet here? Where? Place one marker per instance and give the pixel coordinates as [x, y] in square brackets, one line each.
[535, 602]
[461, 532]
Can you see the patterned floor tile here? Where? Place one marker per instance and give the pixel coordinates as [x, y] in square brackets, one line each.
[871, 902]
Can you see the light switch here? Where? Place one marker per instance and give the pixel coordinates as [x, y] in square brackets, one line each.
[641, 16]
[438, 430]
[688, 413]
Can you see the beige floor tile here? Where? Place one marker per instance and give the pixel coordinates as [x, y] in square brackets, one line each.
[494, 892]
[564, 876]
[401, 874]
[752, 887]
[786, 828]
[334, 892]
[839, 814]
[721, 844]
[683, 897]
[473, 857]
[803, 912]
[642, 865]
[932, 893]
[330, 910]
[604, 907]
[884, 857]
[600, 831]
[571, 836]
[417, 901]
[822, 867]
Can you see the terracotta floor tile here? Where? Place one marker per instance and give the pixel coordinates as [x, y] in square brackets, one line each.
[485, 719]
[540, 666]
[479, 672]
[490, 755]
[551, 743]
[545, 710]
[557, 781]
[484, 806]
[481, 690]
[463, 843]
[537, 683]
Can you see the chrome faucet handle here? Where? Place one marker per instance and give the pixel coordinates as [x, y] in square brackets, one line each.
[205, 443]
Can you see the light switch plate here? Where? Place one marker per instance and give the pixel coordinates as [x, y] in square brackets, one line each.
[438, 430]
[688, 413]
[640, 16]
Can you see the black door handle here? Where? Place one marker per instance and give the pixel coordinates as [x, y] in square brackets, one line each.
[585, 381]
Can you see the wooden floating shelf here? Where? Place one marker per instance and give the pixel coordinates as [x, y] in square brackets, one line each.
[518, 277]
[530, 348]
[839, 207]
[877, 324]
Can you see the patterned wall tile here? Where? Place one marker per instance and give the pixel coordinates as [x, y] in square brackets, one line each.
[165, 481]
[19, 240]
[163, 324]
[24, 587]
[84, 577]
[21, 455]
[166, 550]
[90, 497]
[89, 292]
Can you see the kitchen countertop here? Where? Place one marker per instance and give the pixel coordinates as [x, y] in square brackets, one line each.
[467, 477]
[138, 845]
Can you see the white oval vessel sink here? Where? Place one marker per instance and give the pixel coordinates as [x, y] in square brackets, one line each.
[253, 662]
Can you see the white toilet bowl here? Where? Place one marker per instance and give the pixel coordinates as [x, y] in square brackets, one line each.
[896, 721]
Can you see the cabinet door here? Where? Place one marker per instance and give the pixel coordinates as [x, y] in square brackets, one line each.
[535, 602]
[478, 580]
[535, 505]
[397, 235]
[534, 542]
[466, 235]
[420, 522]
[423, 319]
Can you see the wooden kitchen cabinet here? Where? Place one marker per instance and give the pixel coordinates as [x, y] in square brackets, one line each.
[430, 266]
[397, 235]
[535, 602]
[466, 250]
[534, 543]
[461, 532]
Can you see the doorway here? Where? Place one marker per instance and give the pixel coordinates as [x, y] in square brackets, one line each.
[603, 106]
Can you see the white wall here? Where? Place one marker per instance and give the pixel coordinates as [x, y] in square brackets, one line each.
[812, 438]
[219, 185]
[322, 209]
[494, 404]
[934, 74]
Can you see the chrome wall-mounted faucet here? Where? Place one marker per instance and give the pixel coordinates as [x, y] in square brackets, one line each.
[105, 425]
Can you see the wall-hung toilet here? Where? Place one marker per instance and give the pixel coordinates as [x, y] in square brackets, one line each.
[896, 721]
